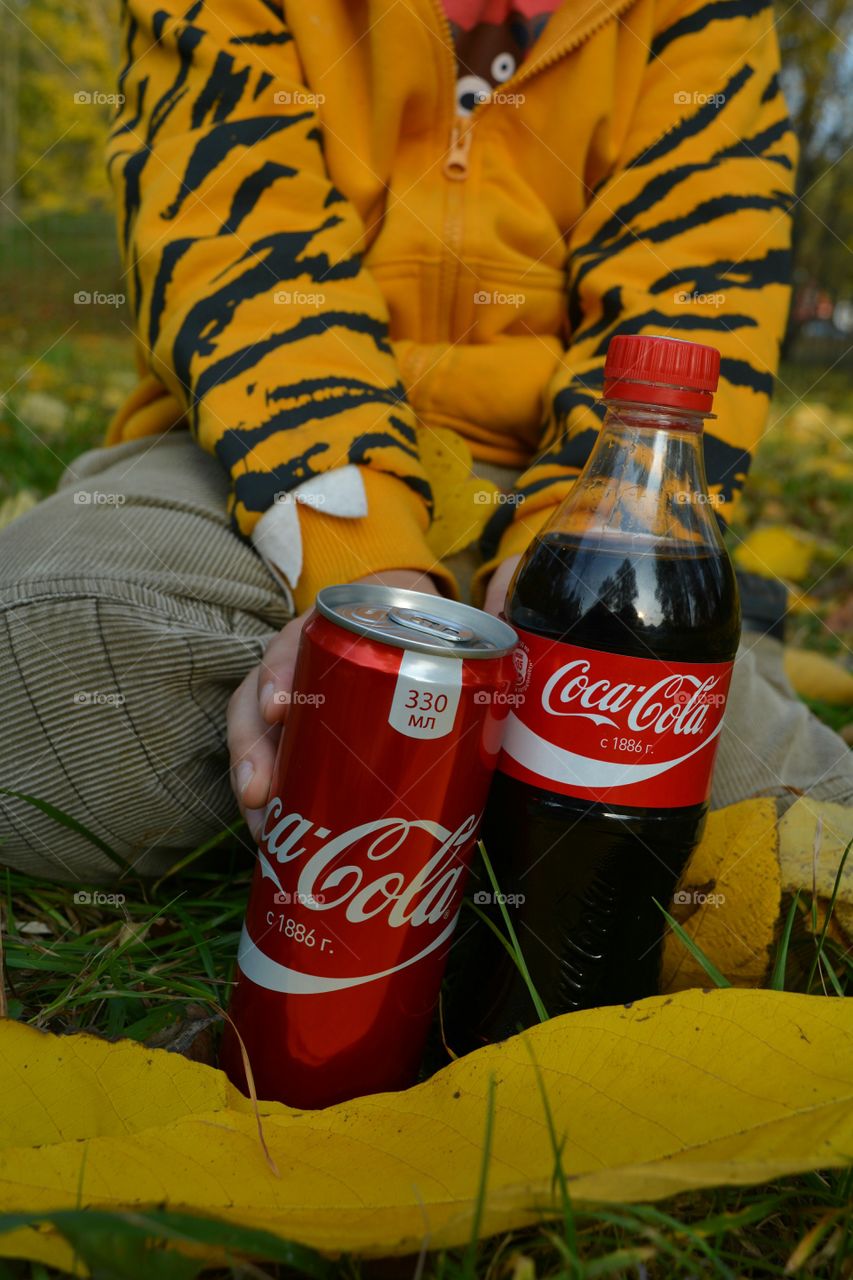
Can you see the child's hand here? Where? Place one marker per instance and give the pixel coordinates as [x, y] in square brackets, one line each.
[258, 707]
[497, 588]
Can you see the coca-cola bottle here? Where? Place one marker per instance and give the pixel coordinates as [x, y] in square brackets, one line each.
[627, 609]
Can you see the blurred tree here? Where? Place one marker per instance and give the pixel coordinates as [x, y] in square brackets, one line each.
[65, 65]
[55, 52]
[10, 61]
[817, 74]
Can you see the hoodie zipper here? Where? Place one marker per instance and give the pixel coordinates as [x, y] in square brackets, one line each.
[457, 157]
[527, 71]
[456, 160]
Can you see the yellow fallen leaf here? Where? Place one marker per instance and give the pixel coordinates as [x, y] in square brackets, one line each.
[663, 1096]
[11, 508]
[813, 675]
[444, 454]
[807, 857]
[809, 421]
[42, 413]
[728, 899]
[803, 602]
[461, 515]
[842, 424]
[832, 468]
[776, 552]
[462, 502]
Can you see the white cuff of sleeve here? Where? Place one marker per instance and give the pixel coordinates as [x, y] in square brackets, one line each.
[277, 537]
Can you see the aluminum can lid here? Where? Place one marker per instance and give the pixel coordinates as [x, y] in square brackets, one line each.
[414, 620]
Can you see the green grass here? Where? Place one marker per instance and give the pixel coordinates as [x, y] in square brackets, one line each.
[722, 1233]
[129, 969]
[79, 356]
[87, 373]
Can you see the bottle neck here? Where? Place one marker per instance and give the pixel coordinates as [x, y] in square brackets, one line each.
[661, 417]
[644, 478]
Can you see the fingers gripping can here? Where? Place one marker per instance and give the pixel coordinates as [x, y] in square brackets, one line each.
[394, 730]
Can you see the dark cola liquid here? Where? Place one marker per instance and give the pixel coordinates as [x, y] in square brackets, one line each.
[588, 926]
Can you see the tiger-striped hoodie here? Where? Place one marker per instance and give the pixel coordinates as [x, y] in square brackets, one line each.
[325, 264]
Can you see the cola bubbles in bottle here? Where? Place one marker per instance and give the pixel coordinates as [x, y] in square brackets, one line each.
[627, 610]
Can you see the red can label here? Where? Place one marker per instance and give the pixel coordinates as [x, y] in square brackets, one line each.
[604, 727]
[346, 908]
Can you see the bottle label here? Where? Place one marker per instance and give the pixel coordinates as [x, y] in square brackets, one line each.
[604, 727]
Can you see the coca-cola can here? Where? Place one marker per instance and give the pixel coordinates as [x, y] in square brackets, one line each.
[395, 724]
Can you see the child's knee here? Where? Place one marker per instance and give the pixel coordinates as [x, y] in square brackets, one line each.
[114, 713]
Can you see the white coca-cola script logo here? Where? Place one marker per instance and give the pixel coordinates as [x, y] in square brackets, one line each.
[335, 876]
[678, 701]
[423, 900]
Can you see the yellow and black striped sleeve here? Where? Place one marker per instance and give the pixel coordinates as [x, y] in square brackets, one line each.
[687, 234]
[251, 302]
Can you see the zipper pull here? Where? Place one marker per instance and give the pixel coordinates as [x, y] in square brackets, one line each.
[456, 161]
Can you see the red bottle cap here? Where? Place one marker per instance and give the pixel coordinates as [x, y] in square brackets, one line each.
[664, 371]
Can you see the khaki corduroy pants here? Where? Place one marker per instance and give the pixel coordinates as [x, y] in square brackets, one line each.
[129, 612]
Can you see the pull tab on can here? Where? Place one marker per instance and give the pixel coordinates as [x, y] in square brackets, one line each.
[429, 624]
